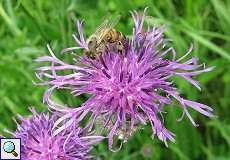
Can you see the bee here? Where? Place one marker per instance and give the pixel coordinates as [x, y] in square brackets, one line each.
[104, 36]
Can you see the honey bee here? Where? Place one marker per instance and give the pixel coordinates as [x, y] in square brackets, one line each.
[105, 35]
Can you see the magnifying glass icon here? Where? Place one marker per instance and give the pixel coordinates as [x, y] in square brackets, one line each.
[9, 147]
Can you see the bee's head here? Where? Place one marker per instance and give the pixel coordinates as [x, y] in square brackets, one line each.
[92, 43]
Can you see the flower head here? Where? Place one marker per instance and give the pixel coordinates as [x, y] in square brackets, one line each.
[39, 143]
[126, 89]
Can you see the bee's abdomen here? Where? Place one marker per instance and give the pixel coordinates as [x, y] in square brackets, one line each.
[110, 36]
[113, 36]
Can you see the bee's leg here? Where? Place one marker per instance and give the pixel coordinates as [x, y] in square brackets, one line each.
[103, 48]
[90, 55]
[86, 53]
[106, 48]
[120, 48]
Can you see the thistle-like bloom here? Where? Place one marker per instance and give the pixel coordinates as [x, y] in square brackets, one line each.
[38, 143]
[126, 90]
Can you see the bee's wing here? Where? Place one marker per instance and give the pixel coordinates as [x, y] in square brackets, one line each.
[114, 21]
[107, 24]
[104, 27]
[99, 30]
[101, 27]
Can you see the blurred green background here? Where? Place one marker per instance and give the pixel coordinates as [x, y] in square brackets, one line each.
[26, 26]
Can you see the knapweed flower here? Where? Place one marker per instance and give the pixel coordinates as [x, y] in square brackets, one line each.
[38, 143]
[126, 90]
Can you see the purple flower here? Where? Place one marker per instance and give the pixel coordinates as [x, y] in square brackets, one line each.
[126, 90]
[38, 143]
